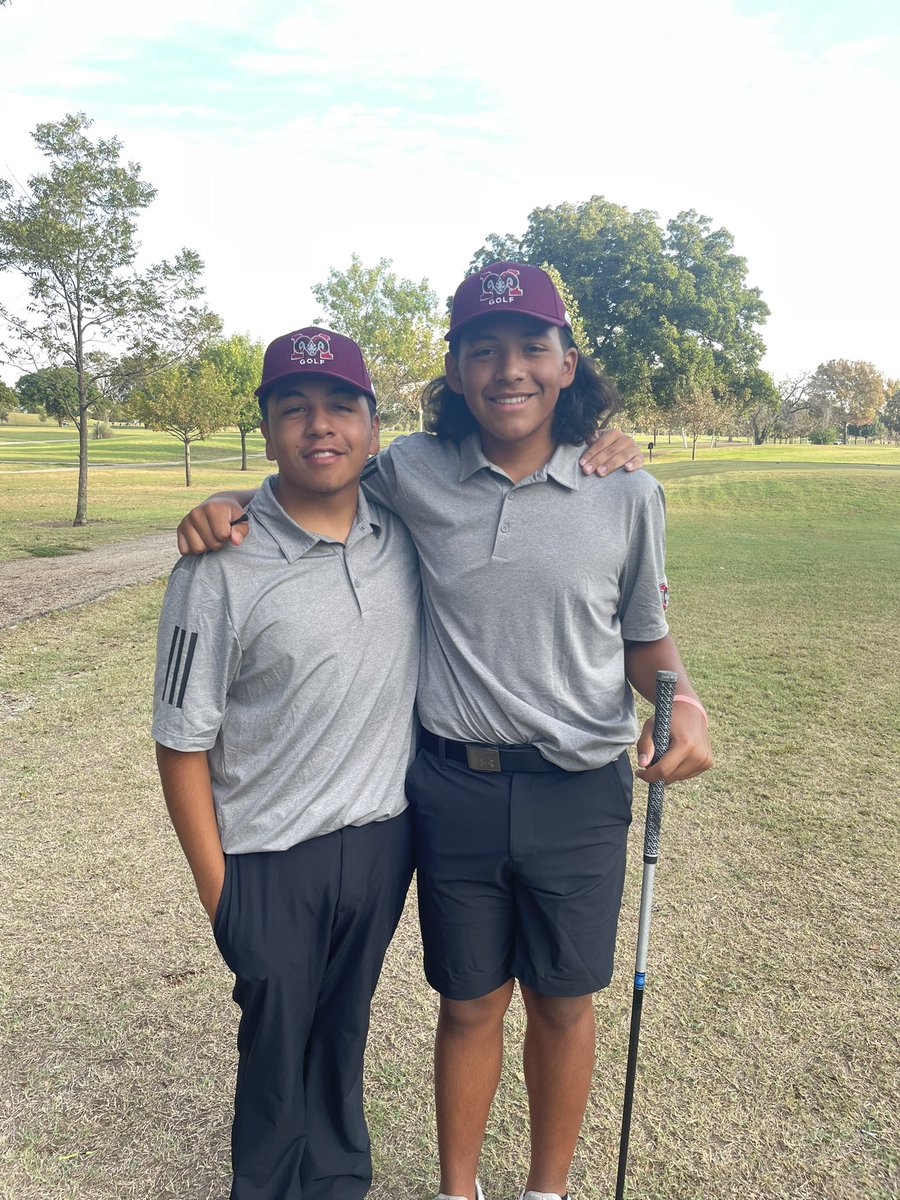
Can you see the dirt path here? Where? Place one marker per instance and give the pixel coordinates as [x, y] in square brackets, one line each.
[33, 587]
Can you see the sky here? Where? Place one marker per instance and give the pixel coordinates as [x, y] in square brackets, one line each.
[283, 138]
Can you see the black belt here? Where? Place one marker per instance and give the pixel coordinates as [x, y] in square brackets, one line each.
[480, 757]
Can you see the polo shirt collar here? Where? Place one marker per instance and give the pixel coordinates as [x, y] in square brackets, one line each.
[471, 457]
[292, 539]
[563, 465]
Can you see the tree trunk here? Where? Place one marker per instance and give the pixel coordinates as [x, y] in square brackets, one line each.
[693, 448]
[81, 502]
[243, 450]
[187, 464]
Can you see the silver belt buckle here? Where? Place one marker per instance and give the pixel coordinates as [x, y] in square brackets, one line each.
[482, 758]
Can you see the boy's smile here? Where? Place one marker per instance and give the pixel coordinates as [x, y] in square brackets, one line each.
[510, 369]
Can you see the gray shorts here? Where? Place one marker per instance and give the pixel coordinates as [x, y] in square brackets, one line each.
[520, 875]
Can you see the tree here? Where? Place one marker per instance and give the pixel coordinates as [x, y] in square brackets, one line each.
[398, 324]
[53, 389]
[576, 323]
[652, 299]
[760, 403]
[697, 410]
[890, 413]
[647, 417]
[189, 400]
[8, 401]
[71, 234]
[239, 362]
[849, 392]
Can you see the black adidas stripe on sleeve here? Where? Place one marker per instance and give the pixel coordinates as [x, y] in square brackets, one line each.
[178, 667]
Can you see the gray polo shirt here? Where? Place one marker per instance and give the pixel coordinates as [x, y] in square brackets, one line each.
[530, 591]
[292, 660]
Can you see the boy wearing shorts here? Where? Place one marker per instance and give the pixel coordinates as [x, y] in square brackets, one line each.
[283, 715]
[544, 595]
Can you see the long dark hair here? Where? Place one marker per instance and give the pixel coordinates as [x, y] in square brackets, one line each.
[585, 405]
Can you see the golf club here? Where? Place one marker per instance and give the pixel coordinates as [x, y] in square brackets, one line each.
[662, 720]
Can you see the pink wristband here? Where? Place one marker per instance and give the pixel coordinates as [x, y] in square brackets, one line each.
[696, 704]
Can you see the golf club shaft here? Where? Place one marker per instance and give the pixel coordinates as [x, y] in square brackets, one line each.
[662, 720]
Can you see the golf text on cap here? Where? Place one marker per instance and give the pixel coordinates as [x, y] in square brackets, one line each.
[311, 350]
[502, 288]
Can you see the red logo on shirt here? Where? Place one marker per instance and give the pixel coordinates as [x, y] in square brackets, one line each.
[311, 349]
[664, 594]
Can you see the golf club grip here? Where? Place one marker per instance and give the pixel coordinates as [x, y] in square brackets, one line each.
[662, 725]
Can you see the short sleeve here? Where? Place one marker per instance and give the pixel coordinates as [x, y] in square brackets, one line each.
[380, 479]
[644, 590]
[197, 657]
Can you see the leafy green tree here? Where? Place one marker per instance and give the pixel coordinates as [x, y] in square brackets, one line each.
[189, 400]
[654, 301]
[850, 392]
[890, 413]
[576, 323]
[399, 326]
[114, 379]
[239, 361]
[8, 401]
[53, 389]
[71, 234]
[714, 303]
[823, 437]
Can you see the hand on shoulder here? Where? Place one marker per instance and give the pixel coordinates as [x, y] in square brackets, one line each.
[215, 523]
[611, 449]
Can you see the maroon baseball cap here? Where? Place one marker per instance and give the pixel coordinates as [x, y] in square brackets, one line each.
[507, 287]
[315, 351]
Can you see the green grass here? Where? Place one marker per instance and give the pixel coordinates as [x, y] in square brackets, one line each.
[769, 1043]
[24, 448]
[742, 451]
[38, 485]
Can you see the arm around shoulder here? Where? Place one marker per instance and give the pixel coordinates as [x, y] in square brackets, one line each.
[214, 523]
[609, 450]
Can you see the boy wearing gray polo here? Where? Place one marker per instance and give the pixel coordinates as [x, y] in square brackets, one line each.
[544, 597]
[283, 715]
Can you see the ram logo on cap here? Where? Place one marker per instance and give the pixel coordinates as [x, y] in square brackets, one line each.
[500, 288]
[311, 349]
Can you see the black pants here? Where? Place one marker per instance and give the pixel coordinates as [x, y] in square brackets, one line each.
[305, 931]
